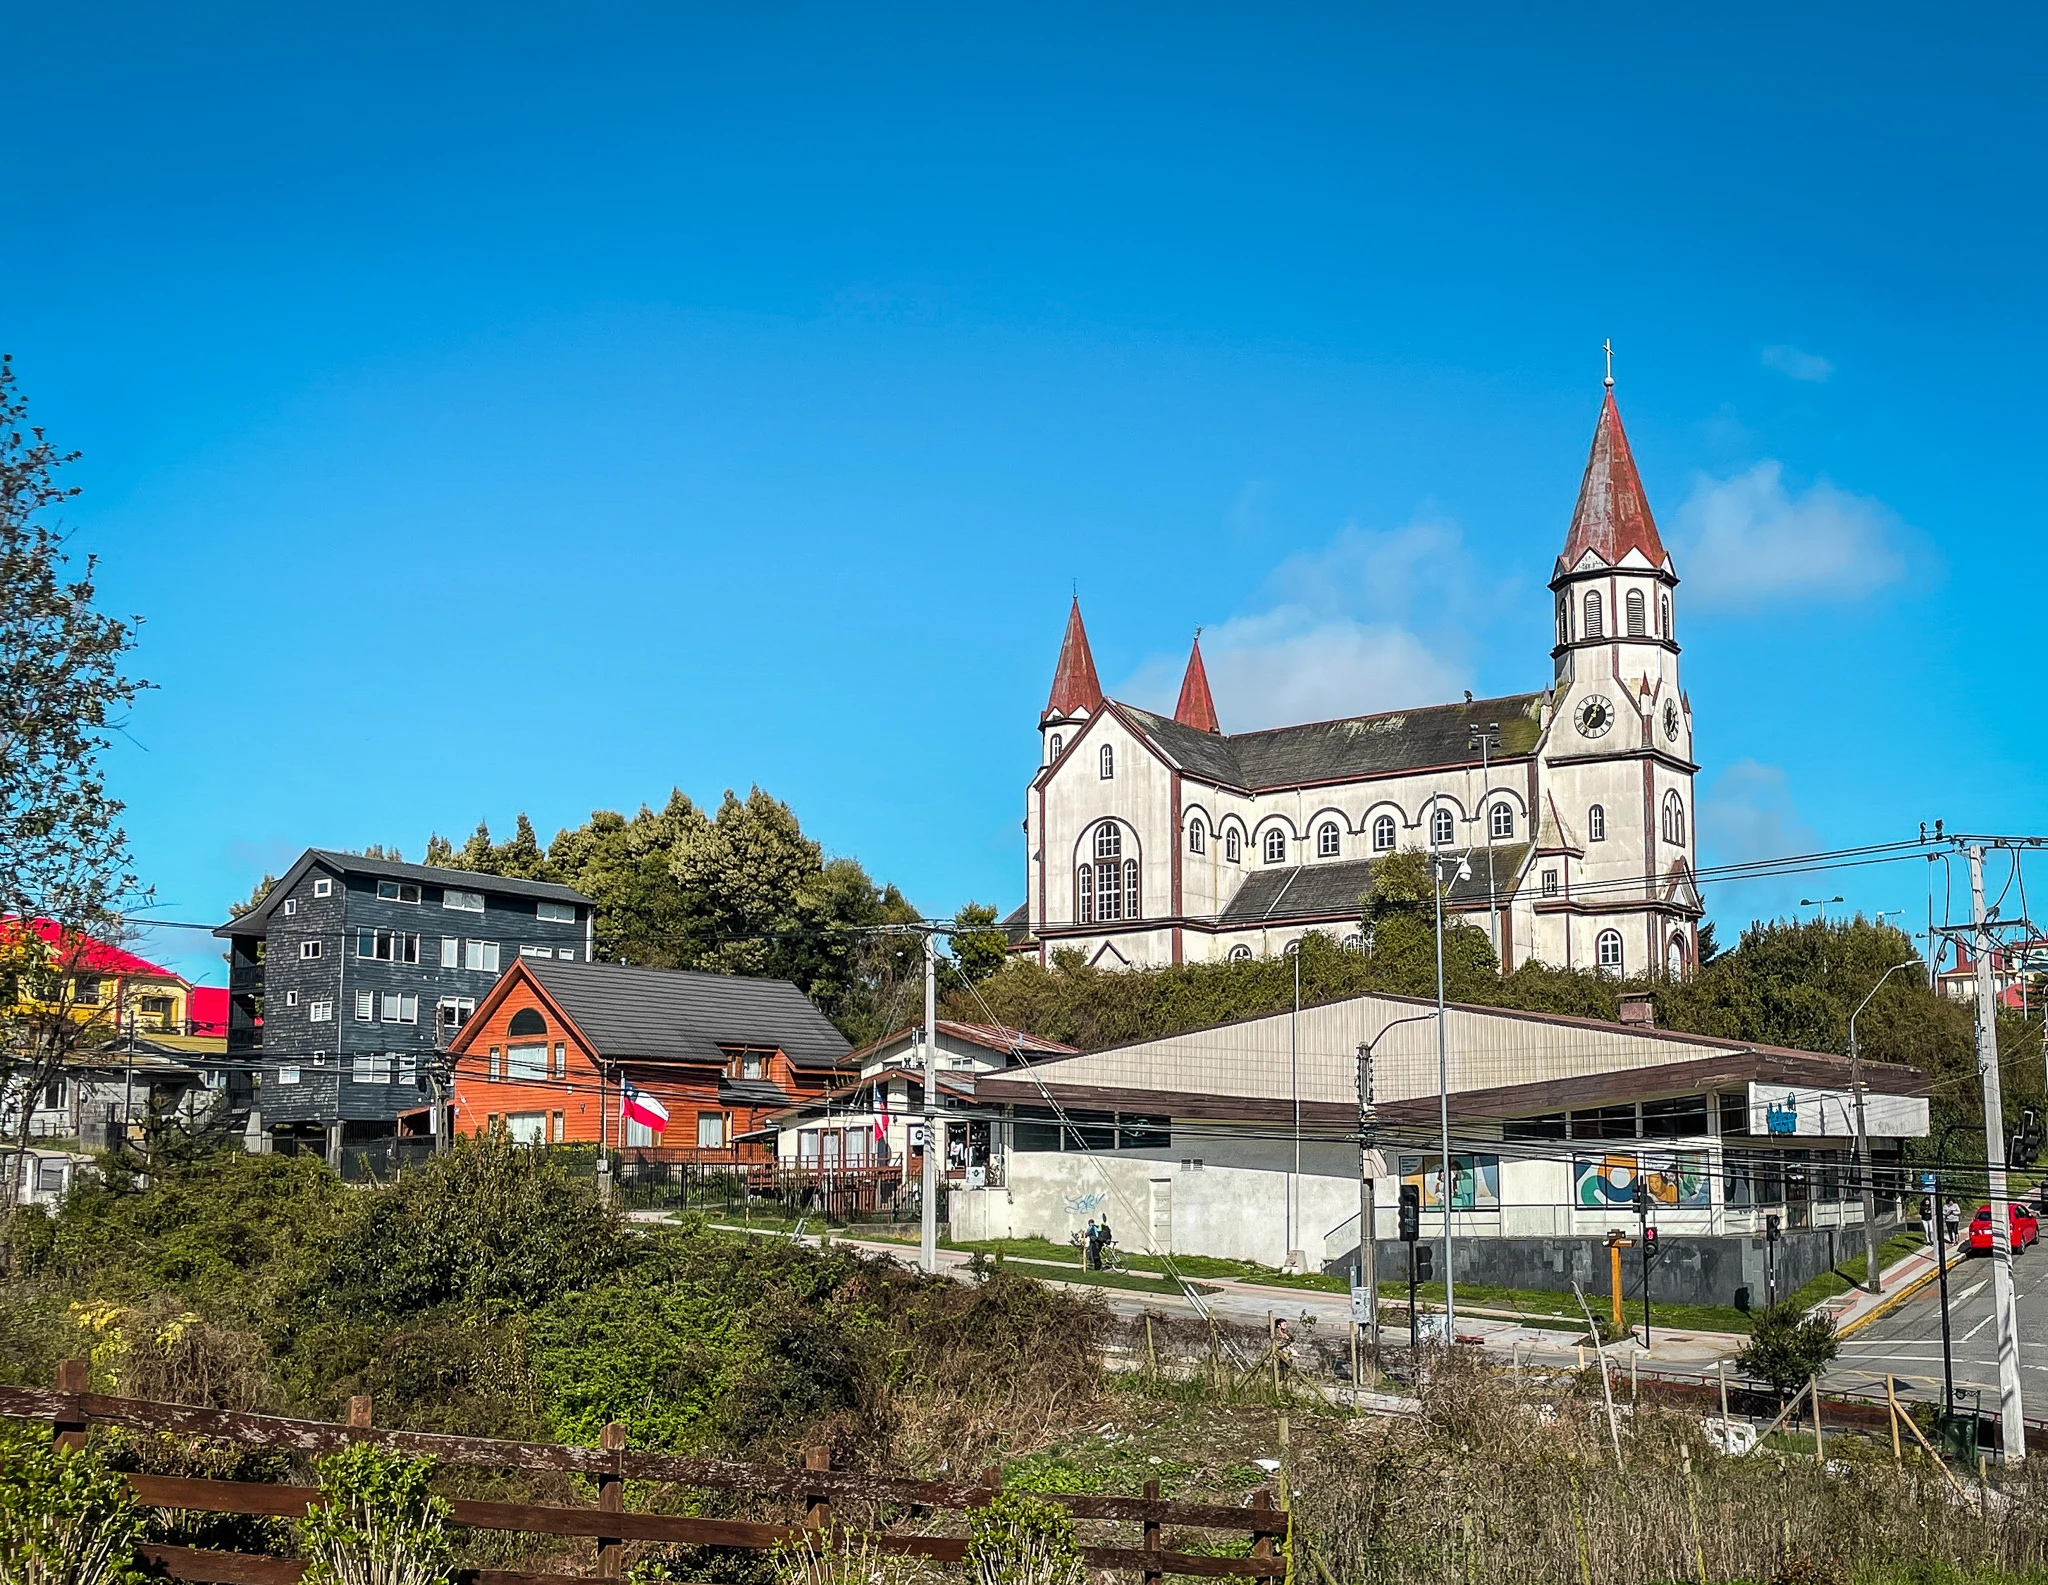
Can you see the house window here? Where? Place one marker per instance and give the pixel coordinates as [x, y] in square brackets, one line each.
[1109, 896]
[559, 913]
[526, 1128]
[323, 887]
[319, 1059]
[388, 946]
[752, 1065]
[291, 998]
[1058, 746]
[321, 1012]
[1108, 761]
[481, 955]
[372, 1067]
[1502, 822]
[1550, 883]
[401, 1007]
[711, 1130]
[1197, 839]
[291, 906]
[1674, 818]
[1633, 605]
[1240, 954]
[1130, 888]
[1231, 848]
[1109, 840]
[451, 1014]
[1276, 846]
[526, 1062]
[1605, 1122]
[398, 892]
[559, 1132]
[463, 902]
[451, 952]
[287, 1075]
[307, 949]
[527, 1021]
[566, 954]
[1441, 829]
[1327, 840]
[1607, 950]
[1596, 824]
[1592, 615]
[1383, 834]
[530, 951]
[1084, 895]
[366, 1006]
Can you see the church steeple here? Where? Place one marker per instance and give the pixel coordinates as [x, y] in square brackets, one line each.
[1196, 709]
[1612, 517]
[1075, 690]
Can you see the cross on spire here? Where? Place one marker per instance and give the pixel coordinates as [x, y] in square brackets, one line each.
[1607, 347]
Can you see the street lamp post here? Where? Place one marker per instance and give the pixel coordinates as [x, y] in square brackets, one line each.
[1871, 1278]
[1368, 1209]
[1446, 1179]
[1819, 902]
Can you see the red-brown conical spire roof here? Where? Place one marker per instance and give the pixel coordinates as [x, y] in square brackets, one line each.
[1613, 515]
[1196, 708]
[1074, 687]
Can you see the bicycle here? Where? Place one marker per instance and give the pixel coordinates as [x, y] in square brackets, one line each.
[1108, 1256]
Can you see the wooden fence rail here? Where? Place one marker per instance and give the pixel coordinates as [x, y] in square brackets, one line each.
[70, 1411]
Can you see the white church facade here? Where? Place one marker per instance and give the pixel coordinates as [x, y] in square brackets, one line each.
[1568, 811]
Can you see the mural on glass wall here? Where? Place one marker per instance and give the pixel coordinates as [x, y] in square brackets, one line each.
[1475, 1180]
[1608, 1183]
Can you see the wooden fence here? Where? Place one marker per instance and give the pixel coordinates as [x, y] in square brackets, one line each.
[71, 1410]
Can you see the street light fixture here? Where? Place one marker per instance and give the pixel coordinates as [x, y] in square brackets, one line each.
[1818, 902]
[1871, 1276]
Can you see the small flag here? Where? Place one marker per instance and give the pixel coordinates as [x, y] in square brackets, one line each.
[881, 1114]
[638, 1106]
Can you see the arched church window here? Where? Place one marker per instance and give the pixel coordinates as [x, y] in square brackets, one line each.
[1108, 761]
[1634, 607]
[1383, 834]
[1327, 840]
[1592, 621]
[1057, 745]
[1197, 838]
[1674, 818]
[1231, 849]
[1130, 888]
[1109, 840]
[1666, 630]
[1564, 620]
[1607, 951]
[1240, 954]
[1596, 824]
[1502, 823]
[1442, 829]
[1084, 895]
[1276, 846]
[1674, 958]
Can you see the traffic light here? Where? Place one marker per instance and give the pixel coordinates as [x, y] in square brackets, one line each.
[1408, 1215]
[1649, 1245]
[1425, 1261]
[1642, 1196]
[1771, 1228]
[2026, 1144]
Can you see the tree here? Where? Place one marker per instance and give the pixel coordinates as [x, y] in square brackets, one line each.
[63, 854]
[626, 868]
[1787, 1347]
[257, 893]
[979, 948]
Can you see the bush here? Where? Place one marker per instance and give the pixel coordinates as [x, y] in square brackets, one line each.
[376, 1523]
[1020, 1540]
[65, 1518]
[1787, 1347]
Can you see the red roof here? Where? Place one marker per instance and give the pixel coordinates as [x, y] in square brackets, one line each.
[99, 957]
[206, 1010]
[1196, 708]
[1613, 515]
[1074, 687]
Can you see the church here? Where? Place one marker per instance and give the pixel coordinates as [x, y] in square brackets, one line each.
[1563, 817]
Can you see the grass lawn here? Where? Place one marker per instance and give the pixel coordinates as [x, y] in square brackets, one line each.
[1849, 1273]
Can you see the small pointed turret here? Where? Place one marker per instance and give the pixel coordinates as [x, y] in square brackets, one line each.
[1613, 515]
[1075, 690]
[1196, 708]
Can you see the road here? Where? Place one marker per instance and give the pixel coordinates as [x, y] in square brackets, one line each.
[1906, 1341]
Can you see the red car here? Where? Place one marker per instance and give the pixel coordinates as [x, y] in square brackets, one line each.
[2025, 1229]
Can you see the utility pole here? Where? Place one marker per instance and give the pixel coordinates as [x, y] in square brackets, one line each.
[928, 1232]
[1368, 1218]
[2012, 1419]
[1446, 1177]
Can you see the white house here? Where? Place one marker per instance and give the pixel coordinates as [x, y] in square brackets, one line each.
[1153, 839]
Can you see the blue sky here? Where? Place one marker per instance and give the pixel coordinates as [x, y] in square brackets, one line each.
[496, 409]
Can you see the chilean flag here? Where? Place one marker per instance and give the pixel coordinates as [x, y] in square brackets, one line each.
[639, 1107]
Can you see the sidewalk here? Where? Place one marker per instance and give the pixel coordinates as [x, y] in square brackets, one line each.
[1897, 1282]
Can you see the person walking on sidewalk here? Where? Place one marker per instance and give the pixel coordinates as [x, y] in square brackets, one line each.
[1952, 1221]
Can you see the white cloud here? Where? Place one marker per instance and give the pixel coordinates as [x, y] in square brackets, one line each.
[1747, 540]
[1372, 621]
[1799, 365]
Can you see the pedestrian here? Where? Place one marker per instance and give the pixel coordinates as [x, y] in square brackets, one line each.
[1103, 1239]
[1091, 1247]
[1952, 1219]
[1927, 1220]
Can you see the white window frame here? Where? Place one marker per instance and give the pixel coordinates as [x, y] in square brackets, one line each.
[1197, 838]
[320, 1012]
[288, 1075]
[556, 913]
[528, 949]
[324, 886]
[1551, 884]
[1500, 822]
[309, 949]
[1108, 762]
[1596, 823]
[1240, 954]
[1608, 951]
[291, 906]
[463, 902]
[1443, 828]
[398, 892]
[527, 1063]
[398, 1007]
[480, 957]
[1274, 845]
[1233, 846]
[366, 1007]
[291, 998]
[1386, 831]
[1329, 840]
[451, 952]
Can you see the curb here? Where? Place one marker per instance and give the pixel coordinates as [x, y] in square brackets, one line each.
[1890, 1301]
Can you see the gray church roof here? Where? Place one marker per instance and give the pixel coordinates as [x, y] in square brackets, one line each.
[1332, 889]
[1330, 751]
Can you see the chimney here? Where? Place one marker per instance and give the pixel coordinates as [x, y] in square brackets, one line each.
[1639, 1009]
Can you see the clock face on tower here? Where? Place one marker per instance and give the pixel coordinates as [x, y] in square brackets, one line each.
[1595, 716]
[1671, 719]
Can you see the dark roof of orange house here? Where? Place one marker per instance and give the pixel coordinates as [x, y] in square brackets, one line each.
[681, 1015]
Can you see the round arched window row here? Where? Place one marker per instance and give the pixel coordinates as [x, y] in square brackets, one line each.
[1593, 624]
[1502, 822]
[1383, 831]
[1674, 818]
[1442, 829]
[1240, 954]
[1233, 845]
[1633, 605]
[1198, 839]
[1329, 841]
[1276, 846]
[1607, 951]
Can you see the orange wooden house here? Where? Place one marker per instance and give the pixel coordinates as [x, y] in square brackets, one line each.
[547, 1051]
